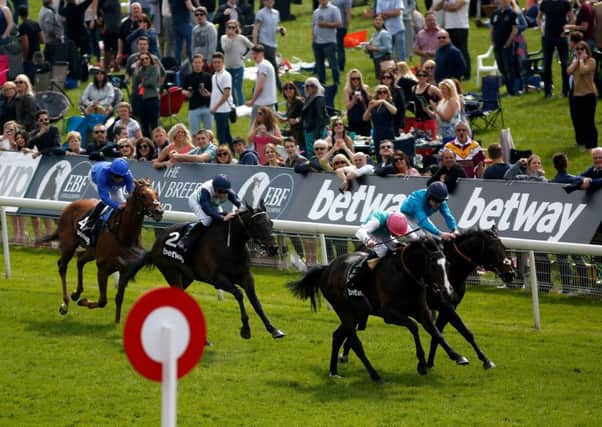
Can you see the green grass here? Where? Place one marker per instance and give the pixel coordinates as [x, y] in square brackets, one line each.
[72, 370]
[542, 125]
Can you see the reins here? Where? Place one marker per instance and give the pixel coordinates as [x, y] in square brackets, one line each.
[406, 269]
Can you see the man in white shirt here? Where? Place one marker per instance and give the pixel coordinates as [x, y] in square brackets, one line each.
[455, 15]
[264, 94]
[221, 99]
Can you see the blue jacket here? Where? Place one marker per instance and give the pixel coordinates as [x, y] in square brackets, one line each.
[417, 209]
[101, 176]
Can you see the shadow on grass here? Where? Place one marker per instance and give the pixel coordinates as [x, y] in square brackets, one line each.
[72, 327]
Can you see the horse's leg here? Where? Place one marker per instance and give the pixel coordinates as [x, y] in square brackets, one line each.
[102, 277]
[82, 259]
[426, 320]
[358, 349]
[344, 357]
[223, 283]
[248, 284]
[338, 336]
[63, 262]
[440, 323]
[397, 318]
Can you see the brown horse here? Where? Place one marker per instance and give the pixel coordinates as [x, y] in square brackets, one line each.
[118, 242]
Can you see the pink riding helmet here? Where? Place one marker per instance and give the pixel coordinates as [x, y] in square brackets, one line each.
[397, 223]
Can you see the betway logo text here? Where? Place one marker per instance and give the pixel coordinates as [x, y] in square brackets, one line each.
[519, 214]
[330, 204]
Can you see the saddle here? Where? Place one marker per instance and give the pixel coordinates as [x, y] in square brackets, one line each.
[88, 233]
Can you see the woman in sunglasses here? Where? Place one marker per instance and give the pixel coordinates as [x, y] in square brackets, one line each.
[382, 111]
[387, 78]
[313, 114]
[145, 82]
[422, 94]
[25, 104]
[145, 149]
[357, 97]
[8, 107]
[272, 157]
[294, 105]
[223, 155]
[264, 130]
[235, 47]
[127, 149]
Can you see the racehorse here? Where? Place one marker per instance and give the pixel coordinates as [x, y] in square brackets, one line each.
[119, 241]
[396, 290]
[220, 258]
[472, 249]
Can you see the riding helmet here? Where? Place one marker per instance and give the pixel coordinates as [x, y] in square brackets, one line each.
[397, 223]
[437, 191]
[120, 167]
[221, 183]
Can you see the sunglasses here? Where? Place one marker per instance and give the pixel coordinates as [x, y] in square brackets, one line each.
[43, 120]
[199, 14]
[120, 146]
[421, 75]
[223, 153]
[441, 37]
[289, 88]
[141, 146]
[386, 147]
[100, 131]
[231, 27]
[380, 92]
[308, 86]
[19, 82]
[355, 78]
[461, 130]
[319, 148]
[340, 163]
[580, 49]
[387, 77]
[9, 131]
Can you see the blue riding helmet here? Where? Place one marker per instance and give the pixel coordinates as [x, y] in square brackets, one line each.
[120, 167]
[437, 191]
[221, 183]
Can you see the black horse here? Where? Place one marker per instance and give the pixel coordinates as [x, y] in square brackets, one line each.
[397, 290]
[220, 258]
[472, 249]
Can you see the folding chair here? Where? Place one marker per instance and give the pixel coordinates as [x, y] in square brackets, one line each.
[170, 103]
[532, 70]
[488, 114]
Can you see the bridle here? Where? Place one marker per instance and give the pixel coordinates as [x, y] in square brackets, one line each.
[490, 267]
[246, 228]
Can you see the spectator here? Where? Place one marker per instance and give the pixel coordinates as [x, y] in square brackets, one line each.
[380, 46]
[385, 165]
[204, 152]
[429, 67]
[313, 114]
[497, 169]
[74, 145]
[468, 152]
[325, 21]
[409, 9]
[272, 157]
[145, 28]
[8, 107]
[235, 47]
[126, 148]
[160, 139]
[556, 14]
[426, 43]
[75, 30]
[98, 96]
[228, 10]
[350, 174]
[293, 157]
[50, 22]
[120, 132]
[406, 80]
[221, 98]
[21, 138]
[197, 88]
[402, 166]
[387, 78]
[182, 26]
[264, 130]
[45, 138]
[31, 37]
[526, 170]
[264, 94]
[504, 29]
[145, 82]
[25, 104]
[338, 134]
[7, 139]
[210, 6]
[345, 11]
[223, 155]
[382, 111]
[145, 149]
[129, 24]
[455, 16]
[592, 177]
[357, 98]
[123, 112]
[264, 33]
[294, 105]
[449, 62]
[392, 12]
[449, 171]
[204, 34]
[100, 148]
[317, 162]
[583, 100]
[585, 22]
[180, 143]
[246, 155]
[447, 111]
[111, 21]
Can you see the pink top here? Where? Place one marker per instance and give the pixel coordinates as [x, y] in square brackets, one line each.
[260, 142]
[182, 150]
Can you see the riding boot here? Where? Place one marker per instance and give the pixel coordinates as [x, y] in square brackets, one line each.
[189, 237]
[358, 274]
[93, 217]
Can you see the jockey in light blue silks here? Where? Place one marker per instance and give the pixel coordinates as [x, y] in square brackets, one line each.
[206, 203]
[109, 179]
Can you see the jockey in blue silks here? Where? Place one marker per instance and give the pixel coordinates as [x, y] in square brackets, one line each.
[109, 179]
[421, 204]
[206, 203]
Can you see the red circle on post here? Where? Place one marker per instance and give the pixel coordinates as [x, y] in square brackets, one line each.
[145, 305]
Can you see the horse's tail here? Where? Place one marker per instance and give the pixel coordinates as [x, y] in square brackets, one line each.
[309, 285]
[132, 268]
[48, 238]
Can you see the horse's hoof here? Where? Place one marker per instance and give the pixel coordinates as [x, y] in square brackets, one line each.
[462, 361]
[422, 369]
[378, 380]
[63, 309]
[277, 333]
[334, 375]
[343, 358]
[83, 302]
[245, 332]
[74, 296]
[430, 365]
[488, 364]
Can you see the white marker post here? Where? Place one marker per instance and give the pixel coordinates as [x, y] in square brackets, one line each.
[169, 392]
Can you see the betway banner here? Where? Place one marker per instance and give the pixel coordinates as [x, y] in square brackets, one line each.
[524, 210]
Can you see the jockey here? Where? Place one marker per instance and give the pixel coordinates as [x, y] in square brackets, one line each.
[108, 179]
[421, 204]
[376, 234]
[206, 203]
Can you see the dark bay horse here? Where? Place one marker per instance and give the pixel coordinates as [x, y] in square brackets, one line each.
[472, 249]
[396, 291]
[117, 242]
[220, 258]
